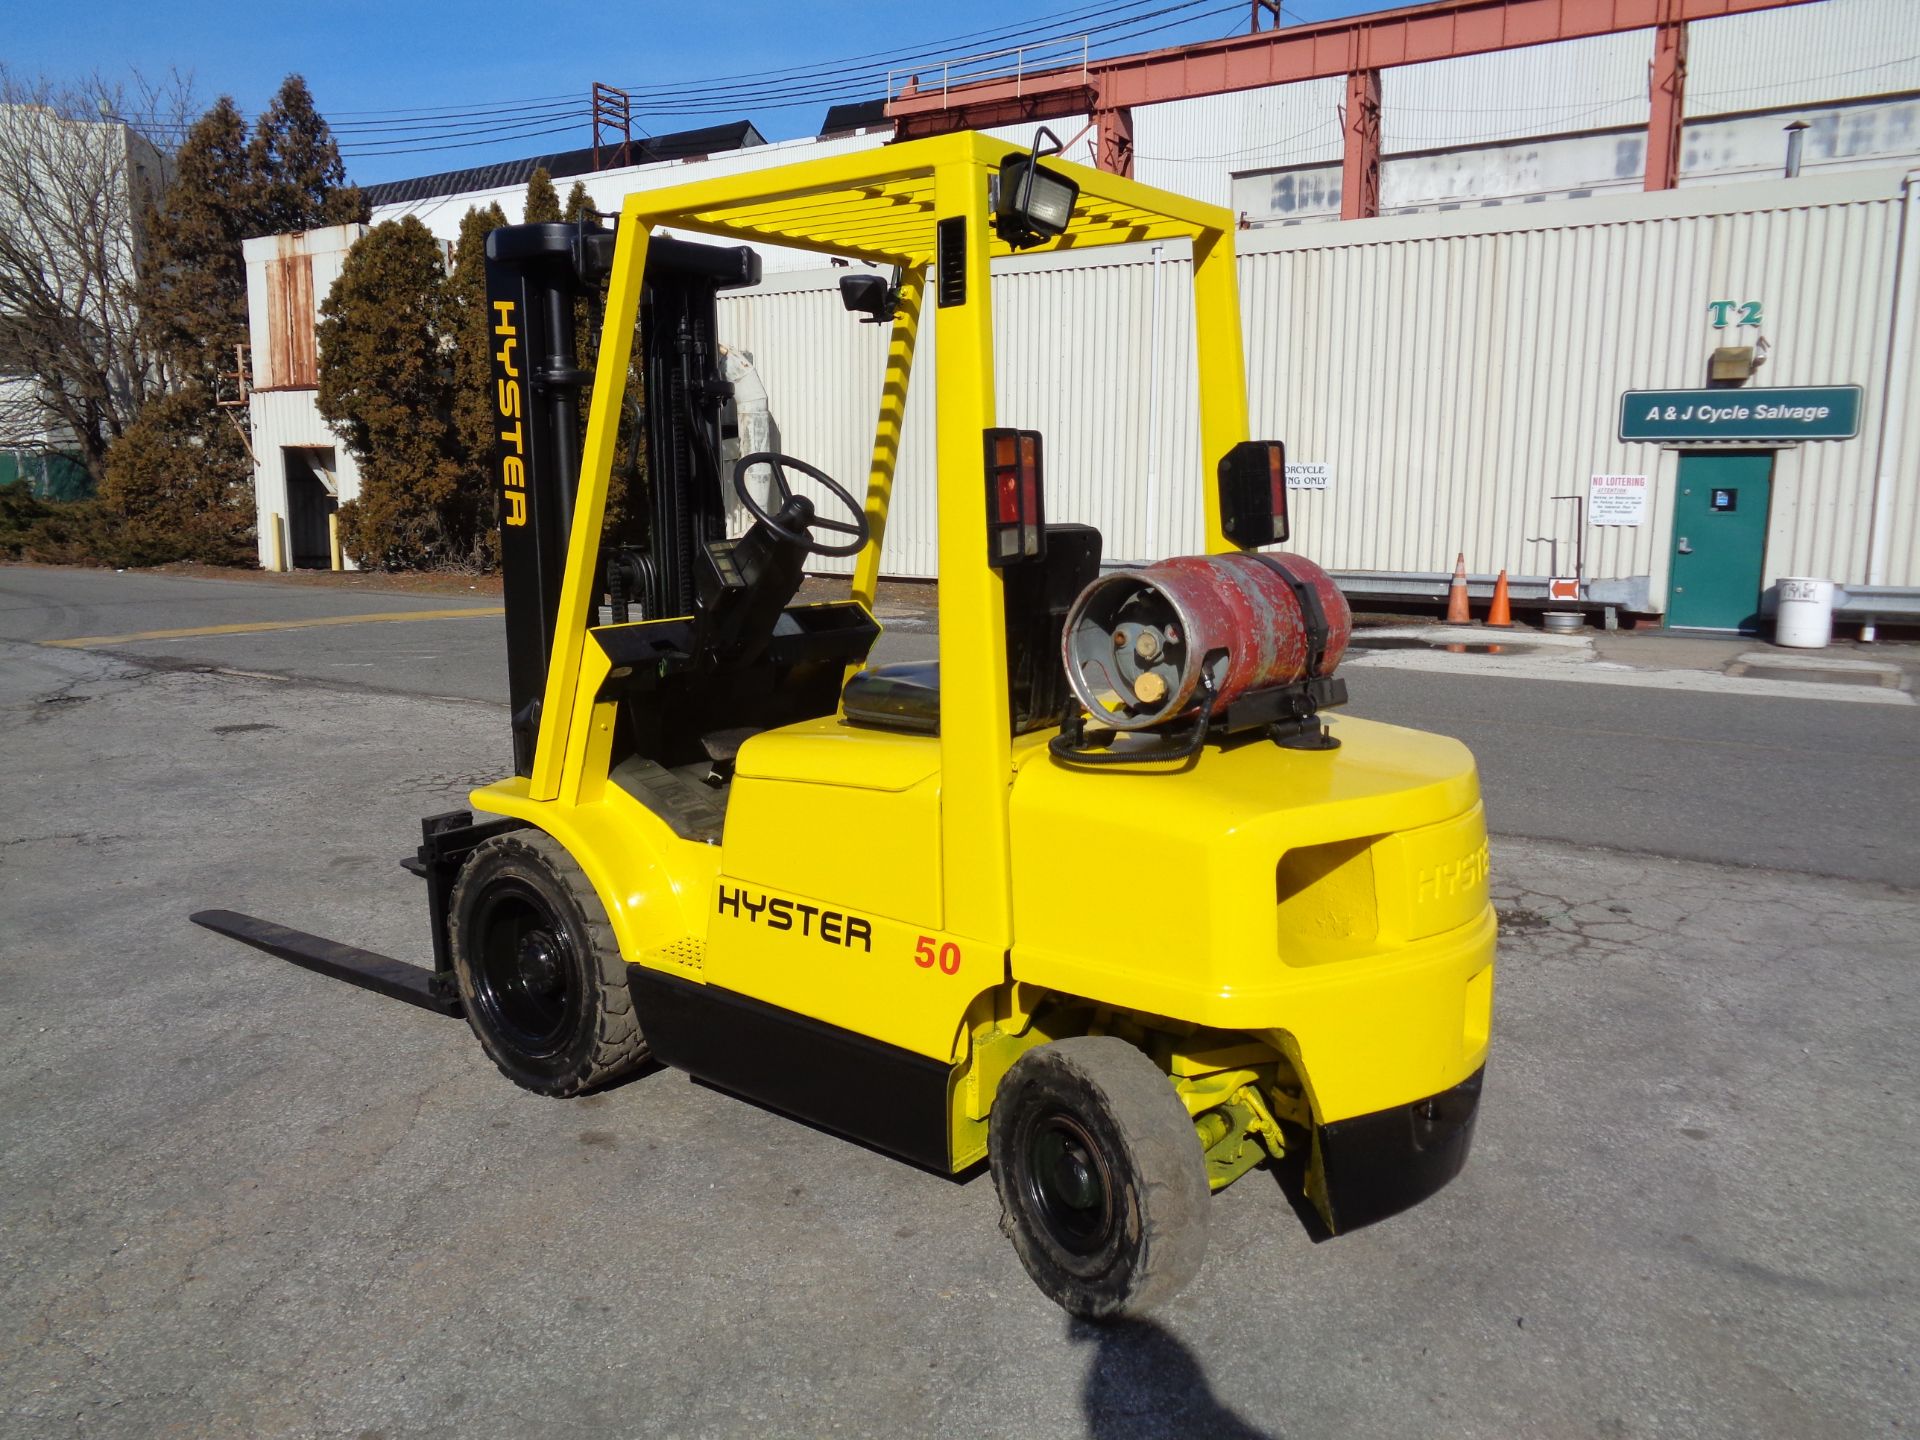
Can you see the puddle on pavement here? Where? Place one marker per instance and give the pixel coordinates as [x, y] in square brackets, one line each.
[1362, 644]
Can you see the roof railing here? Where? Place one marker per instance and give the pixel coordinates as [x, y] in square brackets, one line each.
[1049, 57]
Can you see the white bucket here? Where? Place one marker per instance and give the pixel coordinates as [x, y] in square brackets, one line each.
[1805, 618]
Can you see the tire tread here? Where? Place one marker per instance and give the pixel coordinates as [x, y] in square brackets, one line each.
[1153, 1124]
[619, 1046]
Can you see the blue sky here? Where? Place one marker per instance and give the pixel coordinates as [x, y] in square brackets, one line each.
[530, 64]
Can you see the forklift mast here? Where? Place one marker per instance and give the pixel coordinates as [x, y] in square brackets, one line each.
[537, 275]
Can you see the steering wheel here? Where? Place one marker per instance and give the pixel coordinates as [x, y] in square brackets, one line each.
[779, 464]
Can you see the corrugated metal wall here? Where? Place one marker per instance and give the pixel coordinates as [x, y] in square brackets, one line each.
[1802, 55]
[285, 420]
[1900, 452]
[1074, 341]
[1512, 94]
[1196, 146]
[1456, 370]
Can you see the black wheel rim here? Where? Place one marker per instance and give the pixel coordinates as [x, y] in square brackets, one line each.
[1069, 1186]
[524, 975]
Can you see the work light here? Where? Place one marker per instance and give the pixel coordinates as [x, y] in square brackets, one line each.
[1032, 204]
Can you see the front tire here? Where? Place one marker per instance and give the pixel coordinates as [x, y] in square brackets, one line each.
[541, 977]
[1102, 1183]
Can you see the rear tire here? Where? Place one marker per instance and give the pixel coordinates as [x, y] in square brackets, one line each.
[1103, 1186]
[541, 977]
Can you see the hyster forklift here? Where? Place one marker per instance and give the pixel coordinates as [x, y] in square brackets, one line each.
[1103, 897]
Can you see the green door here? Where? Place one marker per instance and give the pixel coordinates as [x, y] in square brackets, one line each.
[1719, 540]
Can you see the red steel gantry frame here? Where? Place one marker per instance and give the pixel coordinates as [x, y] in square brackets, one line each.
[1359, 48]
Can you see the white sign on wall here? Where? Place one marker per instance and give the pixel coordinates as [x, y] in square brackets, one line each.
[1309, 477]
[1617, 500]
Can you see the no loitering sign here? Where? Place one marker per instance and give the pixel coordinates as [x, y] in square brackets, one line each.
[1617, 499]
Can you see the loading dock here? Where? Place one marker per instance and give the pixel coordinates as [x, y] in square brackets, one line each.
[312, 501]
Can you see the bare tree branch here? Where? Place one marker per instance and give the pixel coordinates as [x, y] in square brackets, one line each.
[79, 170]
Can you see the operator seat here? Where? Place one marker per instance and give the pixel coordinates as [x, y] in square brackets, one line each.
[905, 695]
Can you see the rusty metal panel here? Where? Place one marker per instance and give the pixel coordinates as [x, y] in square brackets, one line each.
[291, 360]
[278, 319]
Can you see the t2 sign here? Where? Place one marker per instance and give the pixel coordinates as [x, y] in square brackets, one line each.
[1747, 310]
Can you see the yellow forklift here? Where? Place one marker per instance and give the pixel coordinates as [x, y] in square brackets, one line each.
[1103, 897]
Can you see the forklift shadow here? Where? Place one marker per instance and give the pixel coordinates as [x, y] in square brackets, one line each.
[1143, 1382]
[938, 1172]
[1291, 1176]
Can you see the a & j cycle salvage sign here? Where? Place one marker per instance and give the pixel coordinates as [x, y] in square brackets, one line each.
[1813, 412]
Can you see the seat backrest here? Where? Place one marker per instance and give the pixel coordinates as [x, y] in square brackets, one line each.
[1038, 598]
[906, 695]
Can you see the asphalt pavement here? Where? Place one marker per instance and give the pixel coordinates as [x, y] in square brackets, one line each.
[1754, 779]
[240, 1200]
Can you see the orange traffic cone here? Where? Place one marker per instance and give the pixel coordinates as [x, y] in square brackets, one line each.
[1457, 612]
[1500, 614]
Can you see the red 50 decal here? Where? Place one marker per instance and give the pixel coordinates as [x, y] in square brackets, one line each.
[946, 955]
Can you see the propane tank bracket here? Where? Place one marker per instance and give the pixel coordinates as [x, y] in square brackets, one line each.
[1288, 715]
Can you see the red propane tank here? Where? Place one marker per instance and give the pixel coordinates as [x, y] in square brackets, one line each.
[1137, 641]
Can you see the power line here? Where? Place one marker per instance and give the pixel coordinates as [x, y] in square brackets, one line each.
[718, 97]
[571, 127]
[855, 84]
[906, 54]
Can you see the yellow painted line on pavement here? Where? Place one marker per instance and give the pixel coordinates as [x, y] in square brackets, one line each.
[257, 626]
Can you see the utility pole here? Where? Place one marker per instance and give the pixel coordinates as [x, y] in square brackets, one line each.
[614, 109]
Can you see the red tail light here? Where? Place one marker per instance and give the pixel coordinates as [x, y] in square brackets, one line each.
[1253, 493]
[1016, 505]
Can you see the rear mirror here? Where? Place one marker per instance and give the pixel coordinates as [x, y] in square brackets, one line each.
[1032, 204]
[870, 295]
[1253, 494]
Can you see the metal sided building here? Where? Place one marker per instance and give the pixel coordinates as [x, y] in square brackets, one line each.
[1488, 382]
[1548, 224]
[302, 471]
[1455, 382]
